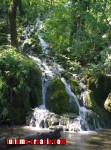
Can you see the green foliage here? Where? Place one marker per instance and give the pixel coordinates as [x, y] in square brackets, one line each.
[58, 28]
[57, 98]
[69, 63]
[76, 31]
[4, 30]
[79, 34]
[20, 84]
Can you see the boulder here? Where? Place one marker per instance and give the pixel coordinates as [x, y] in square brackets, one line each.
[54, 121]
[88, 99]
[74, 127]
[57, 97]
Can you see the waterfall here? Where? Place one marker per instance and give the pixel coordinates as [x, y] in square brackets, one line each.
[70, 93]
[44, 45]
[84, 113]
[87, 119]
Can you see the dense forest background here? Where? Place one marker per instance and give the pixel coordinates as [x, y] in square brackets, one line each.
[79, 33]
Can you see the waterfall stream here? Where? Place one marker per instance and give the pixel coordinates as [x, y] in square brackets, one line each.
[87, 119]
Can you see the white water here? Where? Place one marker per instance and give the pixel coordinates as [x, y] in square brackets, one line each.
[81, 120]
[68, 89]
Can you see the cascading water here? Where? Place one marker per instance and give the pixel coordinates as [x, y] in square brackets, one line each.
[84, 114]
[87, 119]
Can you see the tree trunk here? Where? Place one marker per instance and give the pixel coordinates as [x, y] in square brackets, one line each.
[20, 7]
[12, 20]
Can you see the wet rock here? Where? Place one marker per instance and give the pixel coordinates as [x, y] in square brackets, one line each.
[66, 129]
[41, 125]
[46, 123]
[71, 115]
[74, 127]
[57, 97]
[54, 121]
[73, 106]
[88, 100]
[43, 119]
[58, 127]
[52, 127]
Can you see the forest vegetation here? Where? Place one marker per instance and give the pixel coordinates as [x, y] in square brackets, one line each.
[79, 33]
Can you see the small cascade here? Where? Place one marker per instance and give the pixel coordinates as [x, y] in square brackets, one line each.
[87, 119]
[39, 119]
[44, 45]
[45, 83]
[71, 94]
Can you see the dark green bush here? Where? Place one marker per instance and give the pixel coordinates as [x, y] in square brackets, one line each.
[20, 84]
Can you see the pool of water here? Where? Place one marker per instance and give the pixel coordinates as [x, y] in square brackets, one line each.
[99, 140]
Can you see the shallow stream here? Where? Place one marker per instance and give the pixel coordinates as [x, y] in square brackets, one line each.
[98, 140]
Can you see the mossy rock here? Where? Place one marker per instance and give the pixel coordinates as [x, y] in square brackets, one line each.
[68, 75]
[20, 84]
[75, 86]
[72, 81]
[88, 101]
[101, 87]
[73, 107]
[107, 104]
[57, 98]
[33, 45]
[103, 117]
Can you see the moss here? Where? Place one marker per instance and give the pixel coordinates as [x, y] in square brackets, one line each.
[73, 107]
[72, 81]
[57, 98]
[90, 103]
[103, 117]
[75, 86]
[20, 84]
[100, 87]
[107, 103]
[89, 98]
[68, 75]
